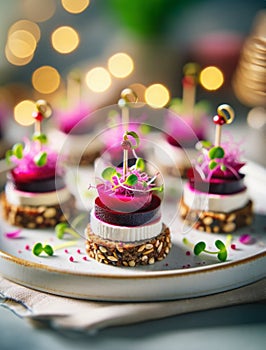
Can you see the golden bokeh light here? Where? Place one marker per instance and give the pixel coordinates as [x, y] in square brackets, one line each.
[98, 79]
[38, 10]
[17, 61]
[23, 112]
[27, 25]
[75, 6]
[211, 78]
[65, 39]
[21, 43]
[157, 95]
[120, 65]
[46, 79]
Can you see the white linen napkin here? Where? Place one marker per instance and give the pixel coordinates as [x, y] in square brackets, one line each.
[83, 315]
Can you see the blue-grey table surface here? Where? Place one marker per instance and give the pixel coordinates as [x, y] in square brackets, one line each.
[230, 328]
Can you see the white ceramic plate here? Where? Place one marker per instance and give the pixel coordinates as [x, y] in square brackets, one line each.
[180, 275]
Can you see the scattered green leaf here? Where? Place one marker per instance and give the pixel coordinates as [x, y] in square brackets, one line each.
[199, 248]
[222, 255]
[39, 248]
[48, 250]
[60, 229]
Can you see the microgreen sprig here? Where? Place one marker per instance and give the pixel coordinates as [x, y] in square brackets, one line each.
[17, 151]
[62, 228]
[111, 174]
[201, 247]
[38, 248]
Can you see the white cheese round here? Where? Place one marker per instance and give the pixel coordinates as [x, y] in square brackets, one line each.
[16, 197]
[214, 202]
[123, 233]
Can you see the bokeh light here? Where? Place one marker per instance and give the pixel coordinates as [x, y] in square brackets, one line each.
[21, 43]
[98, 79]
[139, 90]
[17, 61]
[157, 95]
[38, 10]
[211, 78]
[120, 65]
[75, 6]
[65, 39]
[27, 25]
[23, 112]
[46, 79]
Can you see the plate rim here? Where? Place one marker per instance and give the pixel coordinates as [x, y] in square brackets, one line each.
[139, 274]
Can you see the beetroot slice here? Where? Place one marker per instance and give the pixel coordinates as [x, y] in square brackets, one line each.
[216, 185]
[38, 186]
[136, 218]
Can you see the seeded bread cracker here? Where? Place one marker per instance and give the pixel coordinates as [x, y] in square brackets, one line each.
[37, 216]
[130, 254]
[216, 222]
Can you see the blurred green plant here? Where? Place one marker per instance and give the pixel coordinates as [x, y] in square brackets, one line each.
[147, 18]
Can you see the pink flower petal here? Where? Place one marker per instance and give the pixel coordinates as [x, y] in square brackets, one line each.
[246, 239]
[13, 234]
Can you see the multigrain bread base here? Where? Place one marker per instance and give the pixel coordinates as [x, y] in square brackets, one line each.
[131, 254]
[216, 222]
[42, 216]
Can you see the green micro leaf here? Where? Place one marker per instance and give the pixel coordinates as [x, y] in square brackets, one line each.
[42, 138]
[60, 229]
[37, 249]
[9, 154]
[40, 159]
[108, 173]
[17, 150]
[135, 137]
[48, 250]
[199, 248]
[220, 245]
[131, 180]
[140, 164]
[223, 167]
[145, 129]
[222, 255]
[216, 152]
[158, 188]
[205, 143]
[212, 164]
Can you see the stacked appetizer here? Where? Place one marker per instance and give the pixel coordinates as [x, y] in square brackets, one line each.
[215, 198]
[126, 227]
[35, 194]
